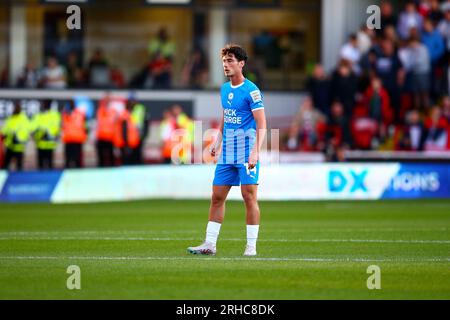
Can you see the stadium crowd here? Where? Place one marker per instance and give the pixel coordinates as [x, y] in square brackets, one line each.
[64, 69]
[389, 90]
[120, 129]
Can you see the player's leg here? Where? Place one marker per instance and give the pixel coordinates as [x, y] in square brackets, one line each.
[217, 207]
[226, 176]
[249, 189]
[216, 215]
[253, 216]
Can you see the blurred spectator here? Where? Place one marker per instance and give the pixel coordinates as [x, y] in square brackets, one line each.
[378, 102]
[117, 77]
[435, 14]
[195, 71]
[338, 137]
[45, 128]
[98, 70]
[368, 64]
[140, 118]
[183, 122]
[436, 125]
[166, 130]
[106, 118]
[53, 75]
[126, 136]
[74, 135]
[29, 77]
[162, 45]
[420, 70]
[351, 53]
[344, 87]
[364, 39]
[435, 44]
[15, 133]
[303, 131]
[379, 108]
[390, 70]
[412, 135]
[423, 7]
[76, 77]
[364, 132]
[390, 33]
[388, 18]
[446, 108]
[445, 5]
[444, 28]
[319, 87]
[409, 19]
[160, 71]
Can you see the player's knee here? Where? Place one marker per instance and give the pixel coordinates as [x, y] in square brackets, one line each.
[217, 200]
[249, 197]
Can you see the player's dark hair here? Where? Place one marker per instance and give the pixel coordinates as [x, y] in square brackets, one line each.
[236, 50]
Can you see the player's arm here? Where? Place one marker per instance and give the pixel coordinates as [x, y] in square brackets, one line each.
[218, 144]
[261, 128]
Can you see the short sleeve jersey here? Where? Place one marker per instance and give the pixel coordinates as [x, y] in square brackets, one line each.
[239, 132]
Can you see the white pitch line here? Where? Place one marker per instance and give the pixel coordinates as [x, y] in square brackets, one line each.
[95, 258]
[393, 241]
[192, 231]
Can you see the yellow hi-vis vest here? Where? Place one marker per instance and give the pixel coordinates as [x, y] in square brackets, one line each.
[46, 128]
[16, 131]
[138, 116]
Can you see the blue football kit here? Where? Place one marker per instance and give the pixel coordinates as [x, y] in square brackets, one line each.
[239, 134]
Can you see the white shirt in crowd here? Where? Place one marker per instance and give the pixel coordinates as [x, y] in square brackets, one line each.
[54, 77]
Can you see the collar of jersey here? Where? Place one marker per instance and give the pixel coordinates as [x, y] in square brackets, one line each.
[239, 85]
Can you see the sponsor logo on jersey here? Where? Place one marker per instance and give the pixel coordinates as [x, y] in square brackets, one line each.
[256, 96]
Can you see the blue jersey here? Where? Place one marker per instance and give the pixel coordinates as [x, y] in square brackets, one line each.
[239, 131]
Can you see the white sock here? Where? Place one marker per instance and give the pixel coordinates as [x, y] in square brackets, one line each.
[252, 235]
[212, 232]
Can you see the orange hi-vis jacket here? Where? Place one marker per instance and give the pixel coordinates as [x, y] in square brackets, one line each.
[132, 138]
[74, 127]
[167, 128]
[106, 119]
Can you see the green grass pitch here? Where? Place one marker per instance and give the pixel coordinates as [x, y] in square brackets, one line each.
[307, 250]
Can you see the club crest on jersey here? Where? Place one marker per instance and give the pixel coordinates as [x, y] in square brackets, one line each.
[230, 96]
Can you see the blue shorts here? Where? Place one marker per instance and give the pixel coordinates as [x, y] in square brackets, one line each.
[235, 175]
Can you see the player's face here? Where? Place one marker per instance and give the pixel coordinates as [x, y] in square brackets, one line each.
[231, 66]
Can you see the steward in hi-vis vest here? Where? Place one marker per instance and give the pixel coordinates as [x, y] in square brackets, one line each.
[15, 133]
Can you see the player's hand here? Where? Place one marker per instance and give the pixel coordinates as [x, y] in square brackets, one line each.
[213, 151]
[253, 159]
